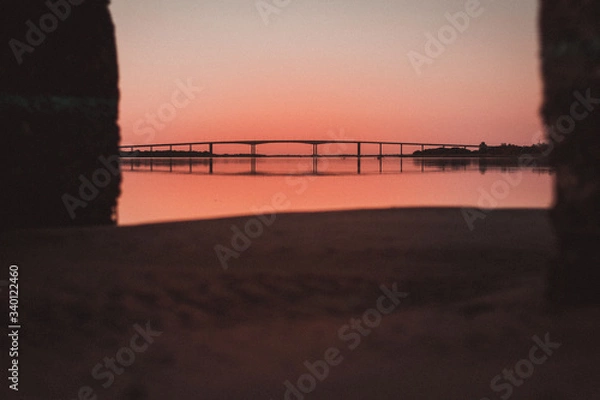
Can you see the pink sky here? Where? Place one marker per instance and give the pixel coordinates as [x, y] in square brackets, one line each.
[322, 65]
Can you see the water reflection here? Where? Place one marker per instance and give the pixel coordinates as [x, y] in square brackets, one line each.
[326, 165]
[177, 189]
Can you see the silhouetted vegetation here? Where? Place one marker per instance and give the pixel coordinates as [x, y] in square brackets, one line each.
[504, 150]
[444, 152]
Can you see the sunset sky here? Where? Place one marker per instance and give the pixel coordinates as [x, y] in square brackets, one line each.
[302, 68]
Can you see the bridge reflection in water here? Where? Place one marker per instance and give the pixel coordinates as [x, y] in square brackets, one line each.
[318, 165]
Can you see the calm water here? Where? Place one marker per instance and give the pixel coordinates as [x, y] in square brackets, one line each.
[159, 190]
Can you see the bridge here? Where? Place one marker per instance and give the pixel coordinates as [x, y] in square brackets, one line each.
[208, 149]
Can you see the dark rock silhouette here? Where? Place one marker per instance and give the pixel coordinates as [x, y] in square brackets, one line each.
[570, 48]
[58, 112]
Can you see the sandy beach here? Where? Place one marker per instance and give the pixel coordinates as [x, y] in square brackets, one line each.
[376, 304]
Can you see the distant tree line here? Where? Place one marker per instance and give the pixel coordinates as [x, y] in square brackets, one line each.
[504, 150]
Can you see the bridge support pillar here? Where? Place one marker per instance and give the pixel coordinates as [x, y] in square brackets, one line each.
[253, 158]
[358, 157]
[210, 161]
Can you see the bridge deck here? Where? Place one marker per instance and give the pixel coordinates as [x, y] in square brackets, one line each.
[297, 141]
